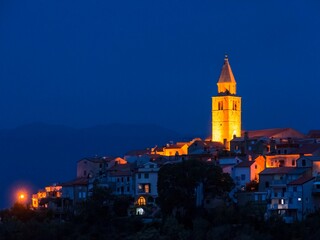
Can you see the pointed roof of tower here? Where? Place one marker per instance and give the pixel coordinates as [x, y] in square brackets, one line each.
[226, 75]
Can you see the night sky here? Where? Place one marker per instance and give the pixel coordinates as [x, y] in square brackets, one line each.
[82, 63]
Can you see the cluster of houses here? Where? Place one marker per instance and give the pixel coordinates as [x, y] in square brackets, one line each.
[283, 163]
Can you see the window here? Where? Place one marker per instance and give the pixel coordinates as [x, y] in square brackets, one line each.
[243, 177]
[234, 107]
[146, 188]
[85, 173]
[151, 166]
[267, 184]
[293, 163]
[255, 166]
[139, 175]
[141, 201]
[128, 179]
[220, 105]
[294, 189]
[128, 189]
[303, 162]
[82, 195]
[146, 175]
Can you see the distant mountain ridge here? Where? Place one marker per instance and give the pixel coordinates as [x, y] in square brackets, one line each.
[42, 153]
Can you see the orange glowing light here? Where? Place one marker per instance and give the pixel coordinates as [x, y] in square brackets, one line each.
[22, 196]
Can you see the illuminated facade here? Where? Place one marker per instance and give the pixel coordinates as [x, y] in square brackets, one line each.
[226, 108]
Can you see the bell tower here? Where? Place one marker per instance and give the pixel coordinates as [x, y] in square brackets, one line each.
[226, 108]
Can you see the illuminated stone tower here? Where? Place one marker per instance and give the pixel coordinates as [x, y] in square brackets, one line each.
[226, 108]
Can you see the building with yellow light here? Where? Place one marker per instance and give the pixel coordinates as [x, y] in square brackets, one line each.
[226, 108]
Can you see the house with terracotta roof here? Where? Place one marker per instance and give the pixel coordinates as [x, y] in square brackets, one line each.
[177, 149]
[146, 192]
[199, 146]
[295, 203]
[279, 160]
[120, 178]
[48, 198]
[96, 166]
[315, 134]
[143, 155]
[309, 149]
[276, 133]
[276, 179]
[75, 192]
[312, 162]
[245, 172]
[227, 163]
[266, 141]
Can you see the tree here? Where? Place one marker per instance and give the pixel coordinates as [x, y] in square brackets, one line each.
[177, 183]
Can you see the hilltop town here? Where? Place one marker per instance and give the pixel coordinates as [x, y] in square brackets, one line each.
[275, 171]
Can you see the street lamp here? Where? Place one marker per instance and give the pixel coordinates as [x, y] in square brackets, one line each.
[22, 197]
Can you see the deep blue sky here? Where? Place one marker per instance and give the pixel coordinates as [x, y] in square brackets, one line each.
[83, 63]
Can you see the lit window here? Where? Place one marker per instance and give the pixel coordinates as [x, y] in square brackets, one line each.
[299, 199]
[146, 188]
[141, 201]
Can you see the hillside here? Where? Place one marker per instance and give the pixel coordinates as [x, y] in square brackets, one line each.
[41, 154]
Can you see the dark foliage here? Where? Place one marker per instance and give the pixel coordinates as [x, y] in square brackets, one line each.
[177, 184]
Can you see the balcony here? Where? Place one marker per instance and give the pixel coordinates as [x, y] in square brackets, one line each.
[279, 183]
[278, 195]
[277, 206]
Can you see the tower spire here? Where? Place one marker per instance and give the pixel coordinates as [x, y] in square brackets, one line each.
[227, 82]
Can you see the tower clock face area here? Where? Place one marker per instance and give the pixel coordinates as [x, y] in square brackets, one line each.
[226, 108]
